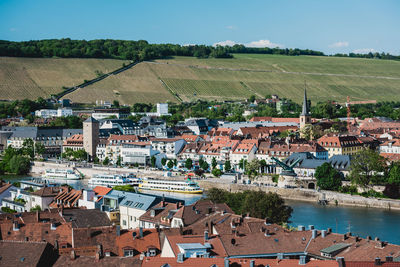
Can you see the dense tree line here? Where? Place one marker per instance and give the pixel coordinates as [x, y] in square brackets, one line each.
[376, 55]
[239, 48]
[106, 48]
[257, 203]
[142, 50]
[21, 107]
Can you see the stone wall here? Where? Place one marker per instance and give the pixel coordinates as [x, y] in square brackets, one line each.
[307, 195]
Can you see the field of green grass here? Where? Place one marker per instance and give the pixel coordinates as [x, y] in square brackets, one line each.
[190, 78]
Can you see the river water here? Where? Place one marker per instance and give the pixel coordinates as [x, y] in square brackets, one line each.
[361, 221]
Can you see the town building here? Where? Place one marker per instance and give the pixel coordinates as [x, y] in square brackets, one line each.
[340, 144]
[90, 136]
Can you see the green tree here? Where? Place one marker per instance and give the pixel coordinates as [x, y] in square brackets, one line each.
[19, 164]
[106, 161]
[216, 172]
[214, 162]
[227, 166]
[39, 148]
[163, 161]
[189, 164]
[366, 168]
[258, 203]
[116, 103]
[36, 208]
[204, 165]
[119, 160]
[267, 205]
[170, 164]
[153, 161]
[242, 164]
[252, 168]
[252, 98]
[175, 162]
[328, 178]
[394, 174]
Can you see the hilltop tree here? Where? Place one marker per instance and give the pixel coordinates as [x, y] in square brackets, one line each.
[328, 178]
[163, 161]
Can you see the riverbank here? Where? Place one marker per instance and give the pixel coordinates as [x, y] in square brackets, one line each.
[308, 195]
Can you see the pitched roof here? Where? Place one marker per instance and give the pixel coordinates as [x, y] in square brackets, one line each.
[189, 262]
[19, 253]
[131, 238]
[50, 191]
[85, 261]
[81, 218]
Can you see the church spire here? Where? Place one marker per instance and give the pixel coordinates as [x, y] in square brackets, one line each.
[305, 111]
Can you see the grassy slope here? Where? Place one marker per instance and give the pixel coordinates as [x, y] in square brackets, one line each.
[195, 78]
[34, 77]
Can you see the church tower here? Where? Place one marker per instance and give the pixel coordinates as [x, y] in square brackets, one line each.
[305, 117]
[91, 136]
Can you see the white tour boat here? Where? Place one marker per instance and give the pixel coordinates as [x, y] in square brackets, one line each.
[114, 180]
[61, 174]
[187, 187]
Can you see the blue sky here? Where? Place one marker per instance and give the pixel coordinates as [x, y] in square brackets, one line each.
[331, 26]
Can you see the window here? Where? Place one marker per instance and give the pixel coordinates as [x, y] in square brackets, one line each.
[123, 222]
[128, 253]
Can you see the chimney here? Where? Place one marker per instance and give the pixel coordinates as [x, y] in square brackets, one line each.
[252, 263]
[344, 237]
[376, 238]
[323, 233]
[302, 260]
[15, 226]
[180, 258]
[301, 228]
[314, 233]
[97, 256]
[38, 216]
[206, 235]
[311, 227]
[162, 203]
[118, 230]
[389, 258]
[340, 261]
[73, 255]
[141, 232]
[178, 205]
[226, 262]
[378, 262]
[368, 238]
[329, 230]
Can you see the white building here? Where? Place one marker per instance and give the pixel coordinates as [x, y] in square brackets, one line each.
[132, 207]
[171, 147]
[43, 197]
[243, 152]
[51, 113]
[390, 146]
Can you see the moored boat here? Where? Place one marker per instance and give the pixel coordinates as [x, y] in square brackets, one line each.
[186, 187]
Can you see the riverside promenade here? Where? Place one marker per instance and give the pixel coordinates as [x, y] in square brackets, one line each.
[299, 194]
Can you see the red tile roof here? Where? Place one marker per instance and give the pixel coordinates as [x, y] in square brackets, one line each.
[126, 239]
[190, 262]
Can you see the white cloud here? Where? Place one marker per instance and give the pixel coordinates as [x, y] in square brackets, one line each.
[260, 43]
[230, 27]
[226, 43]
[364, 51]
[339, 44]
[263, 43]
